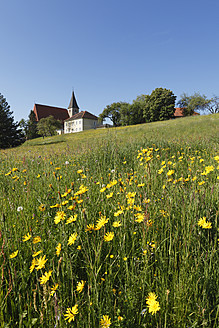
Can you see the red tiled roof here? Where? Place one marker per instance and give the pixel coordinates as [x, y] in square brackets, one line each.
[42, 111]
[179, 112]
[83, 114]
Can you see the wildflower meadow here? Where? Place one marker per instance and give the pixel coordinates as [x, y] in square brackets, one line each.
[112, 228]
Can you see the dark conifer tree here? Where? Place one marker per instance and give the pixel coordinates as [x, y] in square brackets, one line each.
[10, 134]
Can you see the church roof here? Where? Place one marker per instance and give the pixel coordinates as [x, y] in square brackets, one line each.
[42, 111]
[83, 114]
[73, 102]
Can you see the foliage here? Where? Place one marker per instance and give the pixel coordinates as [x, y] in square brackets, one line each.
[213, 105]
[31, 129]
[120, 233]
[113, 113]
[160, 105]
[193, 103]
[10, 134]
[48, 126]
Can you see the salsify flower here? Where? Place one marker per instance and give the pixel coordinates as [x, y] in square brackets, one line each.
[89, 228]
[33, 264]
[152, 303]
[80, 286]
[105, 322]
[45, 277]
[41, 262]
[53, 289]
[27, 237]
[101, 222]
[117, 224]
[109, 236]
[204, 224]
[37, 253]
[71, 313]
[37, 239]
[71, 219]
[60, 215]
[72, 238]
[14, 254]
[58, 249]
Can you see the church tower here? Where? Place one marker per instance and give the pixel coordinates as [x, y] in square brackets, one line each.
[73, 106]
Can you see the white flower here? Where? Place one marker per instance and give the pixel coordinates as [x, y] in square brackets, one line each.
[66, 163]
[20, 208]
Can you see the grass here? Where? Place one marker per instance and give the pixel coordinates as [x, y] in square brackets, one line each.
[117, 214]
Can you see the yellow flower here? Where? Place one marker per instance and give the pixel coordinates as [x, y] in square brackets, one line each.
[89, 228]
[42, 207]
[101, 222]
[140, 217]
[79, 171]
[36, 240]
[80, 286]
[105, 322]
[109, 195]
[117, 224]
[41, 262]
[118, 213]
[36, 253]
[109, 236]
[59, 216]
[72, 238]
[53, 289]
[72, 219]
[58, 249]
[71, 313]
[152, 303]
[204, 224]
[14, 254]
[170, 172]
[33, 264]
[26, 237]
[125, 258]
[45, 277]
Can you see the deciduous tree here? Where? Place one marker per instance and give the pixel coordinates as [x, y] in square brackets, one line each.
[48, 126]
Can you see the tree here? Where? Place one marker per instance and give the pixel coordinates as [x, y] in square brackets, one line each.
[23, 126]
[159, 106]
[48, 126]
[32, 131]
[10, 134]
[213, 105]
[113, 113]
[193, 102]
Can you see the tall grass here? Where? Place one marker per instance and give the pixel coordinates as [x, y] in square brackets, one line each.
[134, 198]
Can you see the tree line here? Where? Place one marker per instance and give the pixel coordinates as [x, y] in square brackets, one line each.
[158, 106]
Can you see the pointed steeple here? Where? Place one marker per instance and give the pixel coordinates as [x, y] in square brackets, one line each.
[73, 103]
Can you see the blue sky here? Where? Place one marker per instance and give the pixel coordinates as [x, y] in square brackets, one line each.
[108, 51]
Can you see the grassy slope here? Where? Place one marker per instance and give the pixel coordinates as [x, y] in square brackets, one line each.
[202, 130]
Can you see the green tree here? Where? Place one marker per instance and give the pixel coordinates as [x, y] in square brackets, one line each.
[23, 126]
[32, 131]
[48, 126]
[160, 105]
[113, 113]
[10, 134]
[193, 103]
[213, 105]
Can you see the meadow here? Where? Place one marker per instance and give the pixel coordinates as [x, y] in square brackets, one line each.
[112, 228]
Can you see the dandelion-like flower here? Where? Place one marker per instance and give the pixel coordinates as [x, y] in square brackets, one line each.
[71, 219]
[204, 224]
[80, 286]
[101, 222]
[58, 249]
[53, 289]
[14, 254]
[105, 322]
[109, 236]
[45, 277]
[26, 237]
[37, 239]
[117, 224]
[152, 303]
[33, 264]
[59, 216]
[71, 313]
[72, 238]
[41, 262]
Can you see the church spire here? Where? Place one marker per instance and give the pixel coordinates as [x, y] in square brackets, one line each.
[73, 107]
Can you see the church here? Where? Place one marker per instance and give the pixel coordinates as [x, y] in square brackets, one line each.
[72, 120]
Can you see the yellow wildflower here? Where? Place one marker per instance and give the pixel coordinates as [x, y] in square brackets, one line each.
[58, 249]
[37, 239]
[26, 237]
[117, 224]
[14, 254]
[53, 289]
[41, 262]
[72, 238]
[72, 219]
[45, 277]
[109, 236]
[105, 322]
[80, 286]
[71, 313]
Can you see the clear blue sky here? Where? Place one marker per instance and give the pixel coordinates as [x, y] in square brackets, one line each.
[108, 51]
